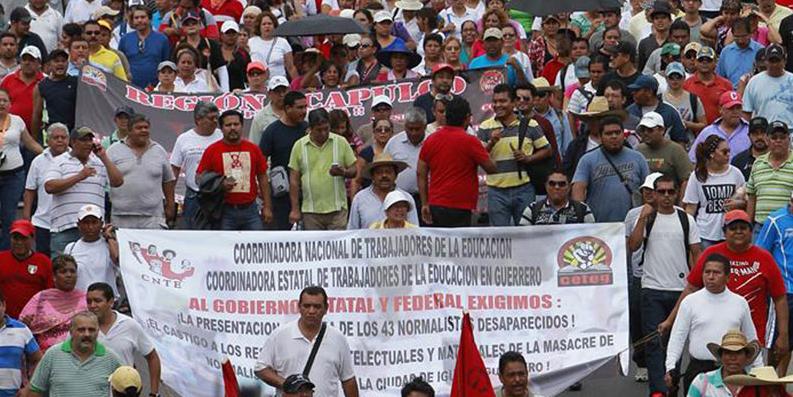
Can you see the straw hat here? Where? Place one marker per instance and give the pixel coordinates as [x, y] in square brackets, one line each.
[760, 376]
[381, 160]
[599, 108]
[542, 84]
[734, 341]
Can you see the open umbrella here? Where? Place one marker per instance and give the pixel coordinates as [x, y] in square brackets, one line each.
[317, 25]
[541, 8]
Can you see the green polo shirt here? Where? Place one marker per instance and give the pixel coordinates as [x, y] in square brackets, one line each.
[61, 373]
[322, 193]
[771, 186]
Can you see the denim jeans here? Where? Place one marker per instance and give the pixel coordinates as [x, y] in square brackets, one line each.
[635, 314]
[656, 306]
[241, 217]
[505, 205]
[450, 217]
[281, 208]
[59, 240]
[12, 183]
[189, 208]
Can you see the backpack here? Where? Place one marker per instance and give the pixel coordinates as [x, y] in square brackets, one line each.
[682, 216]
[578, 207]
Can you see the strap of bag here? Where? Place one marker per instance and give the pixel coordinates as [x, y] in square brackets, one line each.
[623, 179]
[522, 130]
[692, 99]
[314, 349]
[275, 39]
[580, 211]
[535, 211]
[683, 217]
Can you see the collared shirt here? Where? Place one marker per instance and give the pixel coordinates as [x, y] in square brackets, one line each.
[738, 139]
[709, 384]
[550, 215]
[66, 204]
[198, 84]
[735, 62]
[4, 71]
[35, 181]
[322, 192]
[561, 128]
[72, 69]
[708, 93]
[261, 120]
[367, 208]
[16, 342]
[449, 16]
[510, 173]
[401, 149]
[125, 338]
[774, 239]
[144, 57]
[62, 374]
[770, 186]
[80, 11]
[285, 351]
[21, 94]
[47, 25]
[108, 61]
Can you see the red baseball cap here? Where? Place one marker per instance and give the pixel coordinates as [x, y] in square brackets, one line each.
[736, 216]
[729, 99]
[23, 227]
[442, 66]
[256, 65]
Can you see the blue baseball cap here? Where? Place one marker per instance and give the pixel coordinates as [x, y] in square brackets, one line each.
[675, 68]
[644, 81]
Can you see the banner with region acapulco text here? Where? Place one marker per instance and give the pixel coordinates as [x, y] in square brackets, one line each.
[100, 93]
[557, 294]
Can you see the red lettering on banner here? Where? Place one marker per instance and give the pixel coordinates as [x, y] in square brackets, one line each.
[252, 104]
[138, 96]
[459, 85]
[314, 100]
[358, 96]
[335, 101]
[410, 303]
[228, 101]
[161, 101]
[185, 103]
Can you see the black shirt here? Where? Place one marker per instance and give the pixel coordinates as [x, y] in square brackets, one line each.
[278, 139]
[611, 76]
[34, 40]
[646, 47]
[744, 161]
[238, 76]
[61, 99]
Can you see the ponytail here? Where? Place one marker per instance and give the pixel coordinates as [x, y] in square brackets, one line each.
[703, 153]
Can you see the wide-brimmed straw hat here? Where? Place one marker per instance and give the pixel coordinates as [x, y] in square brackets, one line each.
[599, 108]
[380, 160]
[734, 341]
[760, 376]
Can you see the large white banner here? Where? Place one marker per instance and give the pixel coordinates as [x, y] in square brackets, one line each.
[557, 294]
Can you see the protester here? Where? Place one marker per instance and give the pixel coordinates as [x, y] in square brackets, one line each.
[286, 349]
[145, 48]
[23, 272]
[397, 205]
[369, 205]
[443, 76]
[120, 333]
[49, 311]
[318, 165]
[19, 347]
[758, 135]
[100, 56]
[766, 93]
[77, 366]
[56, 93]
[662, 154]
[687, 104]
[730, 126]
[406, 146]
[417, 387]
[96, 252]
[125, 382]
[734, 354]
[557, 208]
[451, 157]
[771, 181]
[645, 97]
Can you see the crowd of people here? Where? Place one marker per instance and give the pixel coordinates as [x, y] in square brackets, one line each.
[672, 117]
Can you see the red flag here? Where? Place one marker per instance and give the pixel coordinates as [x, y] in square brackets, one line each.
[470, 375]
[230, 379]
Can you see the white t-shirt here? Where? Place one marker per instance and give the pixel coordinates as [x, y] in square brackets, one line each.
[93, 263]
[198, 84]
[569, 77]
[665, 262]
[187, 152]
[260, 48]
[35, 181]
[636, 256]
[449, 16]
[10, 141]
[287, 350]
[710, 197]
[125, 338]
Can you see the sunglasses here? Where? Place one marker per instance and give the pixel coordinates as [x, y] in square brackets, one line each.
[365, 45]
[524, 98]
[542, 94]
[666, 192]
[92, 33]
[557, 183]
[383, 129]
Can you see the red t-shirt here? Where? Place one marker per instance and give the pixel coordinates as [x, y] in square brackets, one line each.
[551, 69]
[452, 157]
[243, 162]
[20, 280]
[21, 96]
[754, 275]
[708, 93]
[232, 9]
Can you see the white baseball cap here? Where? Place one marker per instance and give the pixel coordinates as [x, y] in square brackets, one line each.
[394, 197]
[381, 99]
[347, 13]
[89, 210]
[382, 15]
[277, 81]
[351, 40]
[651, 120]
[649, 181]
[32, 51]
[229, 25]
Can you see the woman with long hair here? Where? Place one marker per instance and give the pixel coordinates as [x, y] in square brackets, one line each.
[452, 48]
[710, 188]
[274, 52]
[189, 78]
[469, 36]
[13, 135]
[49, 313]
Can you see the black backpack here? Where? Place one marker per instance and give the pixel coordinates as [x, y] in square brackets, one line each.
[682, 217]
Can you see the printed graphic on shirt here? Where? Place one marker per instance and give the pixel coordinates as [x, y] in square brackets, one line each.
[715, 196]
[606, 170]
[238, 166]
[655, 163]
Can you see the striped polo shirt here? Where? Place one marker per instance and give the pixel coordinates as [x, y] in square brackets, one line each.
[771, 186]
[16, 341]
[507, 174]
[66, 205]
[62, 374]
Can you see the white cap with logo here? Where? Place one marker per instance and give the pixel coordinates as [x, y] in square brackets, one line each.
[89, 210]
[277, 81]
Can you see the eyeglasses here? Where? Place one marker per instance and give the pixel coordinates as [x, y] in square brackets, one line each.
[666, 192]
[542, 94]
[383, 129]
[92, 32]
[557, 183]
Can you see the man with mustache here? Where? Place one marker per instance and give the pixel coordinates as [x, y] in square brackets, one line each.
[367, 205]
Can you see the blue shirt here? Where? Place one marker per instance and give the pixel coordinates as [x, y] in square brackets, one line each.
[16, 341]
[561, 127]
[675, 128]
[738, 140]
[775, 238]
[734, 61]
[606, 195]
[143, 60]
[482, 62]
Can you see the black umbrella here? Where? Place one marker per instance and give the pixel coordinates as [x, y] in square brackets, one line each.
[541, 8]
[317, 25]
